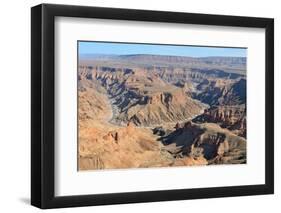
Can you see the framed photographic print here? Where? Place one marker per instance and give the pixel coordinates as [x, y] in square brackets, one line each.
[140, 106]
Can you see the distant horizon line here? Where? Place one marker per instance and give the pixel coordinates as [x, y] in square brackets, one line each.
[124, 48]
[185, 56]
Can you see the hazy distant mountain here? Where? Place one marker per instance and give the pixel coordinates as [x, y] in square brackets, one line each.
[228, 64]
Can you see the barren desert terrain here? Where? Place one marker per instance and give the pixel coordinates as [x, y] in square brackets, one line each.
[139, 111]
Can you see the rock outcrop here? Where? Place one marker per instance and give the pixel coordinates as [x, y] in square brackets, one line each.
[222, 92]
[142, 97]
[206, 141]
[124, 147]
[230, 117]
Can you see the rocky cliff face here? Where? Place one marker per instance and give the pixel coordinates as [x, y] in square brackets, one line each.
[158, 107]
[123, 147]
[128, 147]
[142, 97]
[230, 117]
[206, 141]
[222, 92]
[93, 106]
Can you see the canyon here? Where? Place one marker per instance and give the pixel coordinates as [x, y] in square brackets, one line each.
[142, 111]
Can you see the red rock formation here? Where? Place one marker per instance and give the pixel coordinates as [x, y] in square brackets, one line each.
[230, 117]
[208, 141]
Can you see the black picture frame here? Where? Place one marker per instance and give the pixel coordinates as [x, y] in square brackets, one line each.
[43, 105]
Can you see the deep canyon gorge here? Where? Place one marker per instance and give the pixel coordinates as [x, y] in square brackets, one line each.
[140, 111]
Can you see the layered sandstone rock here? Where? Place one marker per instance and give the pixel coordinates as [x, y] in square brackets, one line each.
[162, 107]
[142, 97]
[230, 117]
[208, 141]
[124, 147]
[222, 92]
[133, 111]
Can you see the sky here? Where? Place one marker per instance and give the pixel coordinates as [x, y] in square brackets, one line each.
[112, 48]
